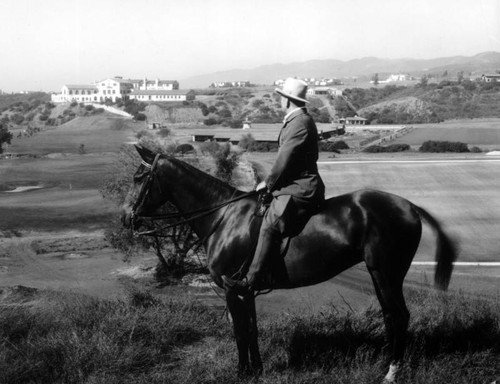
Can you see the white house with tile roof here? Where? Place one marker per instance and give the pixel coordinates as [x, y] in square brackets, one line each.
[114, 88]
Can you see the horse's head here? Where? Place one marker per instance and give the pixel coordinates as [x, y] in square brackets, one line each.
[145, 195]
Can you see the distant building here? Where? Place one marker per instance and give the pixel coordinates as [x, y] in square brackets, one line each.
[113, 88]
[324, 91]
[161, 95]
[312, 81]
[157, 84]
[230, 84]
[491, 78]
[77, 92]
[117, 88]
[356, 120]
[398, 77]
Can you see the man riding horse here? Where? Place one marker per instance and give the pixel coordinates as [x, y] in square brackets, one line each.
[294, 183]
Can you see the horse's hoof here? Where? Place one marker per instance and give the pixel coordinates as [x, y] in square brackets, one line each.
[391, 375]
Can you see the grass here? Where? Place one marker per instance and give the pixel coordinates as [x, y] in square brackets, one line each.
[482, 132]
[99, 133]
[54, 337]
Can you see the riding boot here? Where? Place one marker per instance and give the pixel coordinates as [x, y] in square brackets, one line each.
[266, 247]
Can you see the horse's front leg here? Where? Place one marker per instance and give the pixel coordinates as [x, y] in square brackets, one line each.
[241, 324]
[255, 358]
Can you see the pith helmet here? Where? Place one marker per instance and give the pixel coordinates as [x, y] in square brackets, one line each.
[294, 89]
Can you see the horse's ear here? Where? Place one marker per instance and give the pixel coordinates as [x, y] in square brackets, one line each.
[145, 154]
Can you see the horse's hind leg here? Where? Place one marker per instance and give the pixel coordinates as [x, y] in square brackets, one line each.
[389, 289]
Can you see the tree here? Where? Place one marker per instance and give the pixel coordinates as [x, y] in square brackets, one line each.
[5, 136]
[424, 81]
[176, 241]
[375, 79]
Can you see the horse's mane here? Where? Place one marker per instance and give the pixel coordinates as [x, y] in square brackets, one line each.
[199, 174]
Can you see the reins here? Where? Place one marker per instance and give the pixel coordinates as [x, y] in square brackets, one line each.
[192, 215]
[198, 213]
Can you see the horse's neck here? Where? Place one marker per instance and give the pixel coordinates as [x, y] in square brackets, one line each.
[193, 190]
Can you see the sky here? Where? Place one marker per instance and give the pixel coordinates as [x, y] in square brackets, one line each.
[46, 44]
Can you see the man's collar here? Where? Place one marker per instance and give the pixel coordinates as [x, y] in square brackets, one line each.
[291, 113]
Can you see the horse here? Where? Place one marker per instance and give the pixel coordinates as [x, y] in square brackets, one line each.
[382, 230]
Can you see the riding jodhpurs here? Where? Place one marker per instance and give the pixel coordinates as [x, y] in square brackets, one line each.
[286, 215]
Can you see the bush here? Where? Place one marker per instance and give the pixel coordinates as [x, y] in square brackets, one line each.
[476, 150]
[140, 116]
[443, 146]
[336, 146]
[387, 149]
[266, 146]
[17, 118]
[184, 148]
[247, 142]
[164, 132]
[235, 123]
[210, 121]
[5, 136]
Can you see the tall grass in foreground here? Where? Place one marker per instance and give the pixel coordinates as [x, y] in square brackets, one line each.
[51, 337]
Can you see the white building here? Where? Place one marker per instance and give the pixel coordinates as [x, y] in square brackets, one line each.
[77, 92]
[113, 88]
[324, 91]
[161, 95]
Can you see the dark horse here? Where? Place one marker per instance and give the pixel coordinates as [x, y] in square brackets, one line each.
[379, 228]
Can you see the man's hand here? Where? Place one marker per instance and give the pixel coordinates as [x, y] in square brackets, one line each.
[262, 185]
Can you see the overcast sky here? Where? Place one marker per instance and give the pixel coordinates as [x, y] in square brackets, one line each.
[45, 44]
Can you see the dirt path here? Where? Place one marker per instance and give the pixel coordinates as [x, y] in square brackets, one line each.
[70, 260]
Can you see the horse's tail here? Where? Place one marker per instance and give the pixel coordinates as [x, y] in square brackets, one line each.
[446, 251]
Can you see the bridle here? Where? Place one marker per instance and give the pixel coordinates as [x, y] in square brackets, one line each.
[146, 186]
[189, 216]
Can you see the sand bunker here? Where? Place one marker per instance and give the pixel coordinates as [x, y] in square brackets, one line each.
[25, 188]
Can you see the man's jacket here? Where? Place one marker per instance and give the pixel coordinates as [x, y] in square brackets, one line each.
[295, 171]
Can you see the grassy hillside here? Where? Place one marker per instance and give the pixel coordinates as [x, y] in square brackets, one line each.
[99, 133]
[23, 100]
[69, 338]
[426, 103]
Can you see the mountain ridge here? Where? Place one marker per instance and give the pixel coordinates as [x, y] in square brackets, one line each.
[363, 68]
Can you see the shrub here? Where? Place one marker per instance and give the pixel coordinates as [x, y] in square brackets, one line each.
[247, 142]
[210, 121]
[17, 118]
[73, 104]
[140, 116]
[43, 117]
[443, 146]
[89, 108]
[184, 148]
[266, 146]
[335, 146]
[164, 132]
[476, 150]
[235, 123]
[5, 136]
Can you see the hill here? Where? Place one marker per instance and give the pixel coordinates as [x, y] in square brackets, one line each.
[363, 68]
